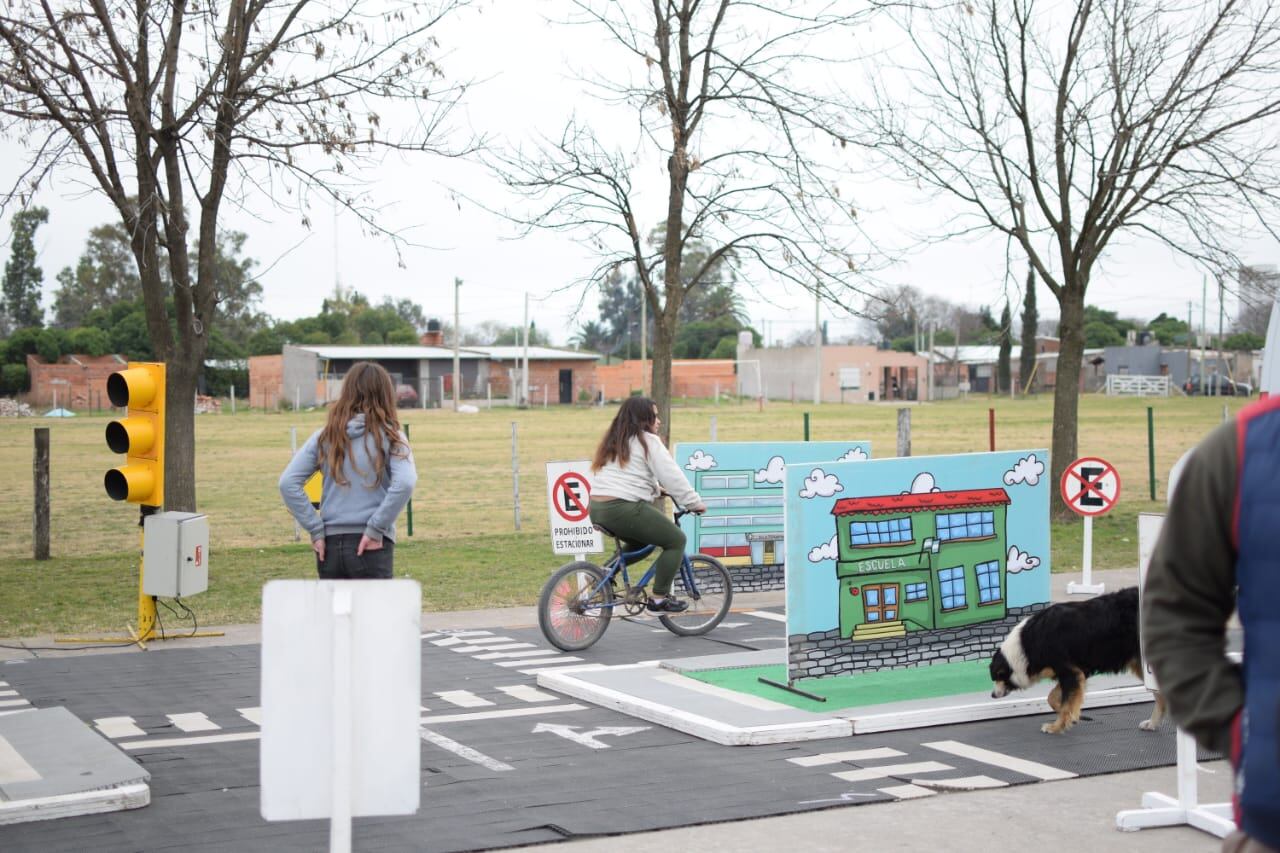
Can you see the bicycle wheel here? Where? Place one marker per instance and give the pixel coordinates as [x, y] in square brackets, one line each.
[709, 593]
[571, 618]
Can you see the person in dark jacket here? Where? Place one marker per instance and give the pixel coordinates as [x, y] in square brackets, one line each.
[1220, 538]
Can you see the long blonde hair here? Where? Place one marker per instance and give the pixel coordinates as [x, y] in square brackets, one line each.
[366, 390]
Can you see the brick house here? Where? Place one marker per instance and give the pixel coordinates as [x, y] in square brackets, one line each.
[77, 381]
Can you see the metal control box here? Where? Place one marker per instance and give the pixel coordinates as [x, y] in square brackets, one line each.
[175, 554]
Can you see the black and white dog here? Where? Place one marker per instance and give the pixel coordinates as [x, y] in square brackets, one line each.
[1069, 642]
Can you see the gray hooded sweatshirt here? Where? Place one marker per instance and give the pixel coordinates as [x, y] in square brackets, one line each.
[362, 506]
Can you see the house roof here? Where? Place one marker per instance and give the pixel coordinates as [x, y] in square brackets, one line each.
[387, 352]
[512, 353]
[920, 502]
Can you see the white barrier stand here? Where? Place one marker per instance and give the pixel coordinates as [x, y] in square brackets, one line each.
[1087, 586]
[1184, 810]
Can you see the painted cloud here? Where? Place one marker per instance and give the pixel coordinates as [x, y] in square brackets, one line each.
[700, 461]
[820, 484]
[856, 454]
[825, 551]
[1027, 470]
[1020, 561]
[772, 472]
[922, 483]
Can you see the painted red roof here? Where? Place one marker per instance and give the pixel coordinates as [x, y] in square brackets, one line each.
[921, 502]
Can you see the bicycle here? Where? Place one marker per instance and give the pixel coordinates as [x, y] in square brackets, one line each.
[579, 598]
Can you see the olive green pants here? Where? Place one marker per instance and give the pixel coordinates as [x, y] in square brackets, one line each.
[639, 523]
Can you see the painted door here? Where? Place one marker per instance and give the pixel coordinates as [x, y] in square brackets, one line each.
[880, 602]
[566, 386]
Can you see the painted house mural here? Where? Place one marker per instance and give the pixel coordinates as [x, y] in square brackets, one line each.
[886, 567]
[742, 484]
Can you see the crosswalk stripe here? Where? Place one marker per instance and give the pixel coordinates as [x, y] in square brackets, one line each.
[118, 727]
[448, 641]
[157, 742]
[528, 653]
[539, 662]
[525, 693]
[463, 698]
[765, 614]
[841, 757]
[462, 750]
[470, 633]
[486, 642]
[13, 703]
[886, 771]
[500, 647]
[997, 759]
[8, 693]
[253, 715]
[502, 713]
[907, 792]
[193, 722]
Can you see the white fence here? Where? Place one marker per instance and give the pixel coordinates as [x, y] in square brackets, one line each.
[1139, 386]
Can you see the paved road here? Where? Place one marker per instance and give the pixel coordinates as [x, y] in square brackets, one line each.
[506, 763]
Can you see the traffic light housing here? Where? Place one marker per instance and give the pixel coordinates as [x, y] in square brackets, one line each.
[139, 435]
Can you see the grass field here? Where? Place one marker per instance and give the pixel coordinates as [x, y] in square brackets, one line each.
[465, 549]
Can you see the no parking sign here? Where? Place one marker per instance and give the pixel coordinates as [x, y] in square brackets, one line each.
[568, 498]
[1091, 486]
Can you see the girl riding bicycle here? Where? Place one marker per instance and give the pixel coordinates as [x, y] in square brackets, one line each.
[631, 469]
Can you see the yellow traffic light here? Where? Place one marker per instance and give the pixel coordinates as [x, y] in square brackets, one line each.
[139, 435]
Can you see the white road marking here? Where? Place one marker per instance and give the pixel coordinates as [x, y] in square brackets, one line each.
[525, 693]
[494, 643]
[193, 722]
[431, 634]
[463, 751]
[588, 738]
[448, 641]
[570, 668]
[963, 783]
[13, 703]
[463, 699]
[678, 680]
[765, 614]
[118, 727]
[8, 693]
[887, 771]
[997, 759]
[528, 653]
[538, 662]
[253, 715]
[773, 639]
[13, 767]
[841, 757]
[506, 712]
[4, 684]
[157, 742]
[907, 792]
[732, 624]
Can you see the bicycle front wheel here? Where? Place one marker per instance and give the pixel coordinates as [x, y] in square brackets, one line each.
[706, 586]
[572, 617]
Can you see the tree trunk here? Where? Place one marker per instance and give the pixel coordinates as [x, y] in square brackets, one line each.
[663, 337]
[1066, 391]
[179, 432]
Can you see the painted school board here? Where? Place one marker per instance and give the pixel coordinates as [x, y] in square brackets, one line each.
[912, 561]
[741, 483]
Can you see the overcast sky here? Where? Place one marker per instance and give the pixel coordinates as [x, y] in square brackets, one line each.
[524, 63]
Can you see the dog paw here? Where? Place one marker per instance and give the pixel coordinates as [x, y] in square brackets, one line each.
[1051, 729]
[1148, 726]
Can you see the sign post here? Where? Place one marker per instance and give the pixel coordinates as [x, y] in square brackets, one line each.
[1090, 486]
[568, 497]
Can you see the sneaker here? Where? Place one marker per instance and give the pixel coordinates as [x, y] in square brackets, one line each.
[667, 605]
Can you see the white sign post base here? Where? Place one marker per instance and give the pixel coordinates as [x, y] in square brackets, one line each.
[1087, 587]
[1162, 810]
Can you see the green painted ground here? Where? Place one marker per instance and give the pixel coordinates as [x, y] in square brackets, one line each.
[855, 691]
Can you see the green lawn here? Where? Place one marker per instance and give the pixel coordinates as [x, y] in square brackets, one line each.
[466, 549]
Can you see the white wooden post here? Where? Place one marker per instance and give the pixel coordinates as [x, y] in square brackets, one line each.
[340, 817]
[233, 399]
[515, 476]
[1086, 586]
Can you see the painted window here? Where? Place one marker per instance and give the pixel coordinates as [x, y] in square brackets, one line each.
[731, 481]
[737, 502]
[713, 503]
[966, 525]
[916, 591]
[988, 582]
[951, 584]
[891, 531]
[766, 519]
[711, 540]
[768, 501]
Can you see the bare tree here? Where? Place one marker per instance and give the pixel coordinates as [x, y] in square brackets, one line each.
[1065, 127]
[723, 101]
[179, 107]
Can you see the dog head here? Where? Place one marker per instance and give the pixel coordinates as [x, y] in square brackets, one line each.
[1008, 666]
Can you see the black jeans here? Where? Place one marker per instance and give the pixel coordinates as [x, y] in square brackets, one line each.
[341, 562]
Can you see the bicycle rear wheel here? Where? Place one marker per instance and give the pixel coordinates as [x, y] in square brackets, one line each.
[571, 617]
[709, 592]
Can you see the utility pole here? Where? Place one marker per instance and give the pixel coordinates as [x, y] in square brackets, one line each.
[1204, 298]
[1188, 343]
[1222, 366]
[457, 372]
[524, 377]
[930, 366]
[817, 346]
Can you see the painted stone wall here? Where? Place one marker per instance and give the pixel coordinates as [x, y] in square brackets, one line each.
[824, 653]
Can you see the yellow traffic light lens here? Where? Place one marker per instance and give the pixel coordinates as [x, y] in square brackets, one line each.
[130, 482]
[134, 436]
[135, 388]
